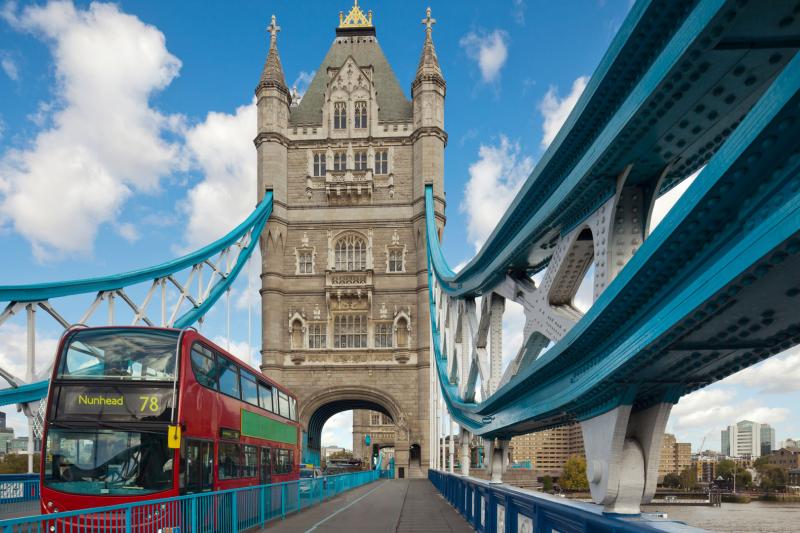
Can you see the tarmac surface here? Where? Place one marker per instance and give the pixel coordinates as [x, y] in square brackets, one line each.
[397, 505]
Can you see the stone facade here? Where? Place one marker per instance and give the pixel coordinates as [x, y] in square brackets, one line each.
[344, 277]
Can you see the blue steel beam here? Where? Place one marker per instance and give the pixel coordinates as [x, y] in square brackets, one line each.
[45, 291]
[31, 392]
[662, 114]
[711, 291]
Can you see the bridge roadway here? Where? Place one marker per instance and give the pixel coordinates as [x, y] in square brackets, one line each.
[398, 505]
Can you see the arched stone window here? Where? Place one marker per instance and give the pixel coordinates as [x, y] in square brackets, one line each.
[350, 253]
[339, 115]
[360, 114]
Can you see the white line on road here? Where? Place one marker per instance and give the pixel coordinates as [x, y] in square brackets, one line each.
[315, 526]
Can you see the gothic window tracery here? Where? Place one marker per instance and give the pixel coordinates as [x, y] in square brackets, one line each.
[339, 161]
[395, 255]
[383, 335]
[317, 335]
[339, 115]
[360, 160]
[350, 331]
[350, 253]
[382, 162]
[304, 256]
[360, 119]
[319, 164]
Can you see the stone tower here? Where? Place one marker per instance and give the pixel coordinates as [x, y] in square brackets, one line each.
[344, 277]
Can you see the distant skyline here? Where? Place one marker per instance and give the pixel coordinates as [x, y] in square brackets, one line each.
[126, 139]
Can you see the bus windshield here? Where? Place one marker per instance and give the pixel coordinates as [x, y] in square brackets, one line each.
[120, 354]
[106, 462]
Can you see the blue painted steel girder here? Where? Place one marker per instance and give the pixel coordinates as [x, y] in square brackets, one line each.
[711, 291]
[673, 109]
[31, 392]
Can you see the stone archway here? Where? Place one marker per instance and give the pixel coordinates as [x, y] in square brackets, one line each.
[319, 407]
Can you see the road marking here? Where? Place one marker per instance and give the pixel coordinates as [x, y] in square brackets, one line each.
[315, 526]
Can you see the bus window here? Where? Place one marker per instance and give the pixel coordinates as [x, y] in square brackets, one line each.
[120, 354]
[282, 461]
[228, 377]
[292, 408]
[107, 462]
[249, 390]
[283, 404]
[250, 462]
[265, 397]
[230, 458]
[204, 367]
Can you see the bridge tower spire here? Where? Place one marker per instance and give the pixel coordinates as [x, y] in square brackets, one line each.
[273, 101]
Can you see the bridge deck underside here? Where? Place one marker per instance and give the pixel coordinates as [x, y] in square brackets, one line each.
[401, 505]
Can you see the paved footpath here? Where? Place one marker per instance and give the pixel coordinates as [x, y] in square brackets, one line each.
[398, 505]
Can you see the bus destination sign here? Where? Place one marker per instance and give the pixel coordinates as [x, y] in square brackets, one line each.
[114, 403]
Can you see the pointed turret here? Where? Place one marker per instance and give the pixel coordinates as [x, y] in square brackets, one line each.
[427, 94]
[428, 62]
[272, 75]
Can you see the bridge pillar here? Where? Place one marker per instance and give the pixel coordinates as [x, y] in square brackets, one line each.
[464, 440]
[497, 453]
[622, 453]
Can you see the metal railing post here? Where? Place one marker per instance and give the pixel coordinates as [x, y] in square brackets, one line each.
[262, 505]
[234, 513]
[128, 520]
[193, 513]
[283, 501]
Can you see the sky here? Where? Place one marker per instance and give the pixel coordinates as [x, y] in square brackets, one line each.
[126, 139]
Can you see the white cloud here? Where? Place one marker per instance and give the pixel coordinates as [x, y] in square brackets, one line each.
[494, 180]
[238, 348]
[106, 141]
[518, 12]
[338, 430]
[555, 110]
[9, 67]
[778, 374]
[14, 349]
[302, 81]
[222, 148]
[128, 232]
[490, 50]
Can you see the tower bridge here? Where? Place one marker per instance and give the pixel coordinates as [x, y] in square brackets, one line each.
[360, 309]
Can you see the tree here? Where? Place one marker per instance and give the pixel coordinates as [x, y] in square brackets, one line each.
[725, 468]
[17, 463]
[547, 483]
[772, 477]
[672, 480]
[574, 477]
[345, 455]
[688, 478]
[744, 479]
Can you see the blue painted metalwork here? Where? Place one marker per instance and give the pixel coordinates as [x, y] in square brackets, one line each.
[19, 494]
[44, 291]
[30, 392]
[226, 511]
[639, 109]
[499, 508]
[734, 229]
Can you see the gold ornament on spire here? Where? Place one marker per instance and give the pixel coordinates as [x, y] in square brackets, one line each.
[355, 18]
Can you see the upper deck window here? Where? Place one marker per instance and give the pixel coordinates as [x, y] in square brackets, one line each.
[120, 354]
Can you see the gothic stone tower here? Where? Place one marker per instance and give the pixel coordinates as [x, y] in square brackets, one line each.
[344, 281]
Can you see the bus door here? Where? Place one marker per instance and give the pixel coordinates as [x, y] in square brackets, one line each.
[265, 476]
[199, 466]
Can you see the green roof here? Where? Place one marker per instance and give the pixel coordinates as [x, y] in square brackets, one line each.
[392, 102]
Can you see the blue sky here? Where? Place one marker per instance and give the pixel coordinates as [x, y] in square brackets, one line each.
[126, 128]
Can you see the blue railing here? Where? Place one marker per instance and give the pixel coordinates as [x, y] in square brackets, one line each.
[225, 511]
[498, 508]
[19, 494]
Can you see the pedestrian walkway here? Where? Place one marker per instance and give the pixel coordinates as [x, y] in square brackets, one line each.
[400, 505]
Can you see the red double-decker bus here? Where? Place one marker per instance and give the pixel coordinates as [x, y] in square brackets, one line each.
[138, 413]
